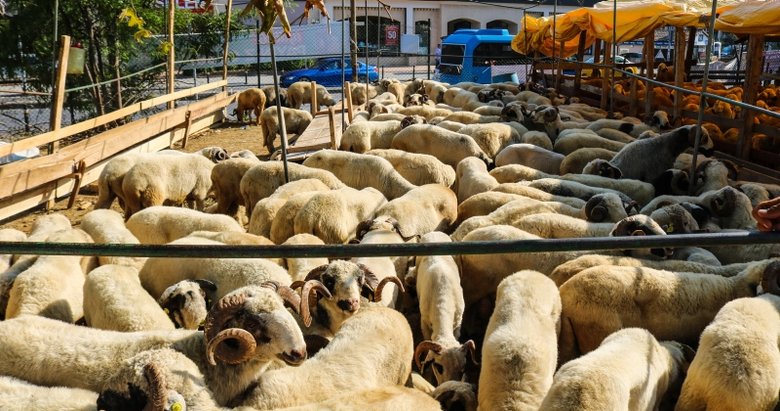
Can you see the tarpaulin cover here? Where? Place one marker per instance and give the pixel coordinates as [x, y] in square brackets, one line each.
[637, 19]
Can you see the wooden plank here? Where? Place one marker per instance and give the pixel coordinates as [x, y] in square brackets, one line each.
[171, 54]
[58, 97]
[752, 82]
[580, 58]
[315, 106]
[348, 98]
[559, 71]
[649, 59]
[679, 69]
[632, 106]
[226, 44]
[187, 124]
[689, 49]
[334, 143]
[51, 136]
[605, 86]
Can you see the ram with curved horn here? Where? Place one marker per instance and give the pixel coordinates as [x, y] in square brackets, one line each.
[449, 360]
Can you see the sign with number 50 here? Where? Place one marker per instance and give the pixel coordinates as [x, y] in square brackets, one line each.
[391, 35]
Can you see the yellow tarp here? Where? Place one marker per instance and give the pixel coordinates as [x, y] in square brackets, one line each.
[637, 19]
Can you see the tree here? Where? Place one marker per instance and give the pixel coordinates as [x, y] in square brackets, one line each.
[27, 43]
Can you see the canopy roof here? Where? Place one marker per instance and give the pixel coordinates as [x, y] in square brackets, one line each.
[637, 19]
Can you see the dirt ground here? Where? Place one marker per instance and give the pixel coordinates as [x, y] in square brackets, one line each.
[230, 136]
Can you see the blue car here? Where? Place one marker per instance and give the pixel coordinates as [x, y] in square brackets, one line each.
[327, 72]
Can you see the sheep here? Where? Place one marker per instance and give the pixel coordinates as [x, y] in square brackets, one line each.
[9, 234]
[456, 395]
[629, 370]
[570, 143]
[637, 190]
[227, 274]
[473, 178]
[333, 216]
[418, 169]
[483, 204]
[469, 117]
[374, 335]
[364, 136]
[167, 179]
[482, 273]
[382, 230]
[283, 224]
[250, 100]
[678, 308]
[300, 92]
[19, 395]
[33, 348]
[615, 135]
[108, 227]
[361, 94]
[520, 349]
[115, 300]
[532, 156]
[270, 94]
[417, 99]
[226, 183]
[536, 138]
[263, 179]
[555, 225]
[388, 117]
[512, 173]
[628, 127]
[449, 147]
[449, 125]
[295, 122]
[162, 224]
[728, 207]
[535, 193]
[587, 112]
[737, 365]
[489, 110]
[576, 161]
[426, 111]
[570, 188]
[188, 302]
[441, 313]
[53, 285]
[264, 212]
[361, 171]
[714, 175]
[647, 159]
[298, 267]
[491, 138]
[431, 207]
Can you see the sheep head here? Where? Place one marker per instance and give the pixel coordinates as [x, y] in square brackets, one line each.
[675, 219]
[660, 119]
[456, 395]
[513, 112]
[384, 223]
[255, 319]
[147, 387]
[448, 362]
[637, 225]
[608, 207]
[732, 208]
[188, 302]
[601, 167]
[414, 119]
[706, 145]
[770, 280]
[672, 181]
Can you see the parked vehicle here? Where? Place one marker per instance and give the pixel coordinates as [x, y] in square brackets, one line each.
[633, 57]
[471, 55]
[619, 60]
[327, 72]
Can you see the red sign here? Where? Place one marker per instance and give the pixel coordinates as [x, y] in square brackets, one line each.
[392, 33]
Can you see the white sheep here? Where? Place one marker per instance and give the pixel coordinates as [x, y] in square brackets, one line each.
[536, 138]
[19, 395]
[519, 353]
[52, 353]
[298, 267]
[493, 137]
[473, 178]
[637, 190]
[418, 169]
[108, 227]
[226, 183]
[427, 208]
[334, 215]
[167, 179]
[535, 193]
[361, 171]
[264, 211]
[426, 111]
[188, 302]
[263, 179]
[513, 173]
[363, 136]
[672, 306]
[448, 124]
[530, 155]
[737, 365]
[9, 234]
[448, 146]
[629, 370]
[381, 230]
[227, 274]
[567, 144]
[283, 225]
[373, 348]
[163, 224]
[576, 161]
[53, 285]
[295, 122]
[115, 300]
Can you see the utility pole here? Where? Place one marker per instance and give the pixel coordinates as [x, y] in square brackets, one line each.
[353, 54]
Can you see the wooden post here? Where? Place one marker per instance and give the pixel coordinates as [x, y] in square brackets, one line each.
[348, 97]
[58, 97]
[580, 58]
[334, 144]
[560, 67]
[226, 46]
[649, 65]
[605, 86]
[315, 107]
[752, 81]
[632, 106]
[187, 125]
[689, 49]
[679, 69]
[597, 52]
[171, 55]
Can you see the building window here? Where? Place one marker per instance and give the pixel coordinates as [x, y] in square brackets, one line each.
[423, 29]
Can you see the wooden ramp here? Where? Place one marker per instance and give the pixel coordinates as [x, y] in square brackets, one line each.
[324, 132]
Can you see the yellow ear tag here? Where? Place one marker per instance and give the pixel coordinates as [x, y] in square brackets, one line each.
[176, 406]
[165, 310]
[670, 228]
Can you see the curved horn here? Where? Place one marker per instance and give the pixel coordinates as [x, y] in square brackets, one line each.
[595, 210]
[389, 279]
[723, 205]
[769, 280]
[371, 280]
[158, 392]
[471, 347]
[316, 272]
[290, 298]
[422, 348]
[246, 346]
[309, 287]
[362, 228]
[221, 312]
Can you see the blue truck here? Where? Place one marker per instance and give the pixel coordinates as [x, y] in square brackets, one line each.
[478, 55]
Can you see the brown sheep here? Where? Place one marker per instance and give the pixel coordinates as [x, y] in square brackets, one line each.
[250, 100]
[300, 92]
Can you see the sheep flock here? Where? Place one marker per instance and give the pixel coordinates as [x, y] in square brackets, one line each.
[687, 328]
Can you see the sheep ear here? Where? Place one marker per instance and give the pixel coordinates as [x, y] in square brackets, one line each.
[371, 282]
[206, 285]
